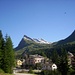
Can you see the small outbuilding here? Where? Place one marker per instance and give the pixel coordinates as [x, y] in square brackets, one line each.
[54, 66]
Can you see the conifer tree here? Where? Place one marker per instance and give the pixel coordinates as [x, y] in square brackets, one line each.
[8, 55]
[55, 57]
[63, 65]
[1, 47]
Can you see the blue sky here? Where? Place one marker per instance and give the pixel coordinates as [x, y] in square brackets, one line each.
[51, 20]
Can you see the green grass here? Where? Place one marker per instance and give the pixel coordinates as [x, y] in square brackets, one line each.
[2, 73]
[5, 74]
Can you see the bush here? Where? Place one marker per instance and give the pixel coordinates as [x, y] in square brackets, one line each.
[71, 71]
[1, 71]
[48, 72]
[30, 70]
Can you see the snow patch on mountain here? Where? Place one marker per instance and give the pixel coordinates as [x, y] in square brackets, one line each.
[41, 41]
[36, 40]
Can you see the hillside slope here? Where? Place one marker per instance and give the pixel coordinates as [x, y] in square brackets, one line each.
[70, 39]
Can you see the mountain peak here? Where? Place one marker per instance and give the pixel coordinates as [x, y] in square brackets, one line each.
[27, 38]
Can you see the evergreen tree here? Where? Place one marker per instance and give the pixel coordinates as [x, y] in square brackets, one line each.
[63, 65]
[3, 53]
[8, 56]
[43, 54]
[1, 47]
[55, 57]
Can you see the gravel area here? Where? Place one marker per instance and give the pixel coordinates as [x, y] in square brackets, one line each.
[22, 74]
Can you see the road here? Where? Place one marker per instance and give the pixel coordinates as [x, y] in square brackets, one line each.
[22, 74]
[16, 72]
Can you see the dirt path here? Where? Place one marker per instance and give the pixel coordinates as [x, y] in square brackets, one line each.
[22, 74]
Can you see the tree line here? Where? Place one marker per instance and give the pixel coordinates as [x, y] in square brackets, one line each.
[6, 53]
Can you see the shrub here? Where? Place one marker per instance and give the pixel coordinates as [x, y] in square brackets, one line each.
[48, 72]
[30, 70]
[1, 71]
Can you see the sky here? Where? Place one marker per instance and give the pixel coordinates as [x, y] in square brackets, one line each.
[51, 20]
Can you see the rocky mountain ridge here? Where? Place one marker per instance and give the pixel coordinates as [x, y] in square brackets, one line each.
[41, 41]
[27, 41]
